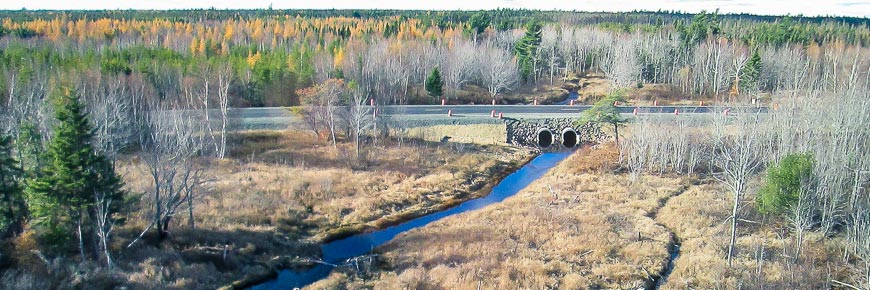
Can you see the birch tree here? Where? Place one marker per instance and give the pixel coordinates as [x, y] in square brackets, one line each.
[498, 71]
[737, 158]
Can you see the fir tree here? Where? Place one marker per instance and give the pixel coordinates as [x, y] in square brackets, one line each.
[605, 111]
[63, 190]
[12, 209]
[434, 84]
[750, 74]
[29, 146]
[526, 50]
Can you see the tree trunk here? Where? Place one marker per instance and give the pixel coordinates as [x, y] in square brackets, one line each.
[81, 238]
[190, 211]
[616, 133]
[733, 228]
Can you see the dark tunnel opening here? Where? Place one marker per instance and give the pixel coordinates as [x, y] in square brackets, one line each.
[545, 138]
[569, 138]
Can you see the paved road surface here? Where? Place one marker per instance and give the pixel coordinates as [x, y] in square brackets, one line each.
[279, 117]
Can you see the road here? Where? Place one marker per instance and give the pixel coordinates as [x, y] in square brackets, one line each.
[280, 117]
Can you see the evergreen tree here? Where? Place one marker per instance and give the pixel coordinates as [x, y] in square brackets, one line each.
[12, 209]
[61, 192]
[434, 84]
[751, 73]
[29, 146]
[526, 50]
[478, 23]
[605, 111]
[784, 183]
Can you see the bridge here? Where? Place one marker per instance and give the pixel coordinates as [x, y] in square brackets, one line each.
[542, 127]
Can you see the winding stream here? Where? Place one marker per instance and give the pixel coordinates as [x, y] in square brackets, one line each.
[340, 250]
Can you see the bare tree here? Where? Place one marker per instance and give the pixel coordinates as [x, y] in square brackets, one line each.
[620, 63]
[737, 157]
[224, 75]
[498, 71]
[169, 150]
[459, 65]
[104, 222]
[361, 116]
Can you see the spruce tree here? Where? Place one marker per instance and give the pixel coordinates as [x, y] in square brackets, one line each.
[605, 111]
[751, 73]
[12, 209]
[434, 84]
[63, 189]
[526, 50]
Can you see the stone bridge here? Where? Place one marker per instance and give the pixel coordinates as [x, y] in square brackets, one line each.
[551, 134]
[544, 134]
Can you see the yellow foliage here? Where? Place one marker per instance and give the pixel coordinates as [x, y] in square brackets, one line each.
[253, 59]
[228, 31]
[194, 45]
[339, 57]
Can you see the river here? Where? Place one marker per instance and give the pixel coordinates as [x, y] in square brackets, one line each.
[340, 250]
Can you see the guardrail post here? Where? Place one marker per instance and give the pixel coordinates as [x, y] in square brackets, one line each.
[493, 102]
[655, 103]
[372, 102]
[676, 112]
[500, 115]
[449, 113]
[536, 101]
[635, 111]
[726, 112]
[701, 103]
[571, 103]
[492, 114]
[443, 101]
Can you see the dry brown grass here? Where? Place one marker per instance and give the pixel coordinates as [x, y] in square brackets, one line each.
[597, 230]
[592, 231]
[278, 194]
[486, 134]
[764, 253]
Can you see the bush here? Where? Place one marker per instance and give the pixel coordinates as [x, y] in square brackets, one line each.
[784, 183]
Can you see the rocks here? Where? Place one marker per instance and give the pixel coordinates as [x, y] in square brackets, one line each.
[523, 132]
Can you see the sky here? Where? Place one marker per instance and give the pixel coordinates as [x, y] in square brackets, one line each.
[855, 8]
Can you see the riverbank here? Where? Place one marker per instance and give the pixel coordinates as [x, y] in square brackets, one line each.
[574, 227]
[270, 204]
[587, 225]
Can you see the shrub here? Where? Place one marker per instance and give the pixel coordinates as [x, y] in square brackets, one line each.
[784, 183]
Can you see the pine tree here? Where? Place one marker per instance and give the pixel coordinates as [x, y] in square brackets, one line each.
[62, 191]
[434, 84]
[12, 209]
[478, 23]
[605, 111]
[526, 50]
[752, 72]
[29, 146]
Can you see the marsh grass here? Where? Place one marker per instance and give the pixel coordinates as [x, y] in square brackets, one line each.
[277, 195]
[592, 230]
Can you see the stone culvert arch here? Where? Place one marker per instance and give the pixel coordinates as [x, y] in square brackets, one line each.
[524, 132]
[544, 137]
[570, 139]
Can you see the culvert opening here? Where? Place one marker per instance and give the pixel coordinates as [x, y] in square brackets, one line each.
[545, 138]
[569, 138]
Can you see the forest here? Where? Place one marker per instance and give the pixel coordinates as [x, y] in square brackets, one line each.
[86, 95]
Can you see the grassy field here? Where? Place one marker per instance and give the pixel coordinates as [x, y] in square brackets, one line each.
[277, 196]
[765, 253]
[574, 228]
[586, 226]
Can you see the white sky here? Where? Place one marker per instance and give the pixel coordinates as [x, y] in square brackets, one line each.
[856, 8]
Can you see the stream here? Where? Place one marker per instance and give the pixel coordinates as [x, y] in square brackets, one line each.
[338, 251]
